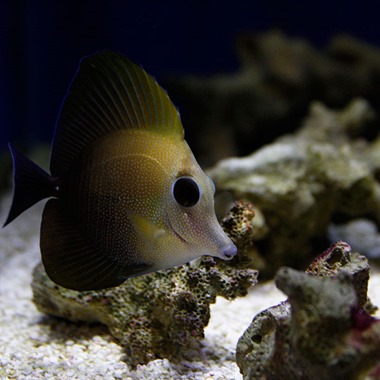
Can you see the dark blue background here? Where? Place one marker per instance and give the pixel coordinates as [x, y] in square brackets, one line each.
[42, 42]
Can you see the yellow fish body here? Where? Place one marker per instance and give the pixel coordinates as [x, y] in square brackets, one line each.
[128, 195]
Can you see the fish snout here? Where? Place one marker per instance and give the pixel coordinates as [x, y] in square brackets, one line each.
[228, 251]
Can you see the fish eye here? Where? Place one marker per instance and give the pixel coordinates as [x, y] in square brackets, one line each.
[186, 192]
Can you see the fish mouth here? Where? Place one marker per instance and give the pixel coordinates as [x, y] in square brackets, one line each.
[228, 252]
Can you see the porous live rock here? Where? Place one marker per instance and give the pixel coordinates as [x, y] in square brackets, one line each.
[154, 315]
[303, 182]
[323, 331]
[245, 225]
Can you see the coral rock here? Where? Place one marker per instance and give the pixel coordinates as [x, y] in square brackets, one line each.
[153, 315]
[279, 77]
[322, 331]
[301, 182]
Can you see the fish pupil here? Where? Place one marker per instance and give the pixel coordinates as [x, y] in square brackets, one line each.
[186, 192]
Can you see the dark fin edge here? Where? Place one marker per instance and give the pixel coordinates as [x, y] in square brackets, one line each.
[31, 184]
[71, 261]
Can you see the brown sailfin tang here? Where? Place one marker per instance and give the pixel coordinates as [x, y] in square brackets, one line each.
[128, 195]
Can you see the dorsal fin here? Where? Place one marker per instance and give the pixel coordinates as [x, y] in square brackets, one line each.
[108, 93]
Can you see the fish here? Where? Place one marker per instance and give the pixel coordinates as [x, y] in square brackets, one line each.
[125, 194]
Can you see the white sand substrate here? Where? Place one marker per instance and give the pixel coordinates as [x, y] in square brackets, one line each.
[36, 346]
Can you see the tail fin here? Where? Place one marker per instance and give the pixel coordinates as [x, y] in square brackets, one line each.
[31, 184]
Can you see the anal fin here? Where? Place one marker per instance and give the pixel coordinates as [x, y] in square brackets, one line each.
[71, 261]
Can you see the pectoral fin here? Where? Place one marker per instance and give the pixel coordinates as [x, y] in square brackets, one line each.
[146, 229]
